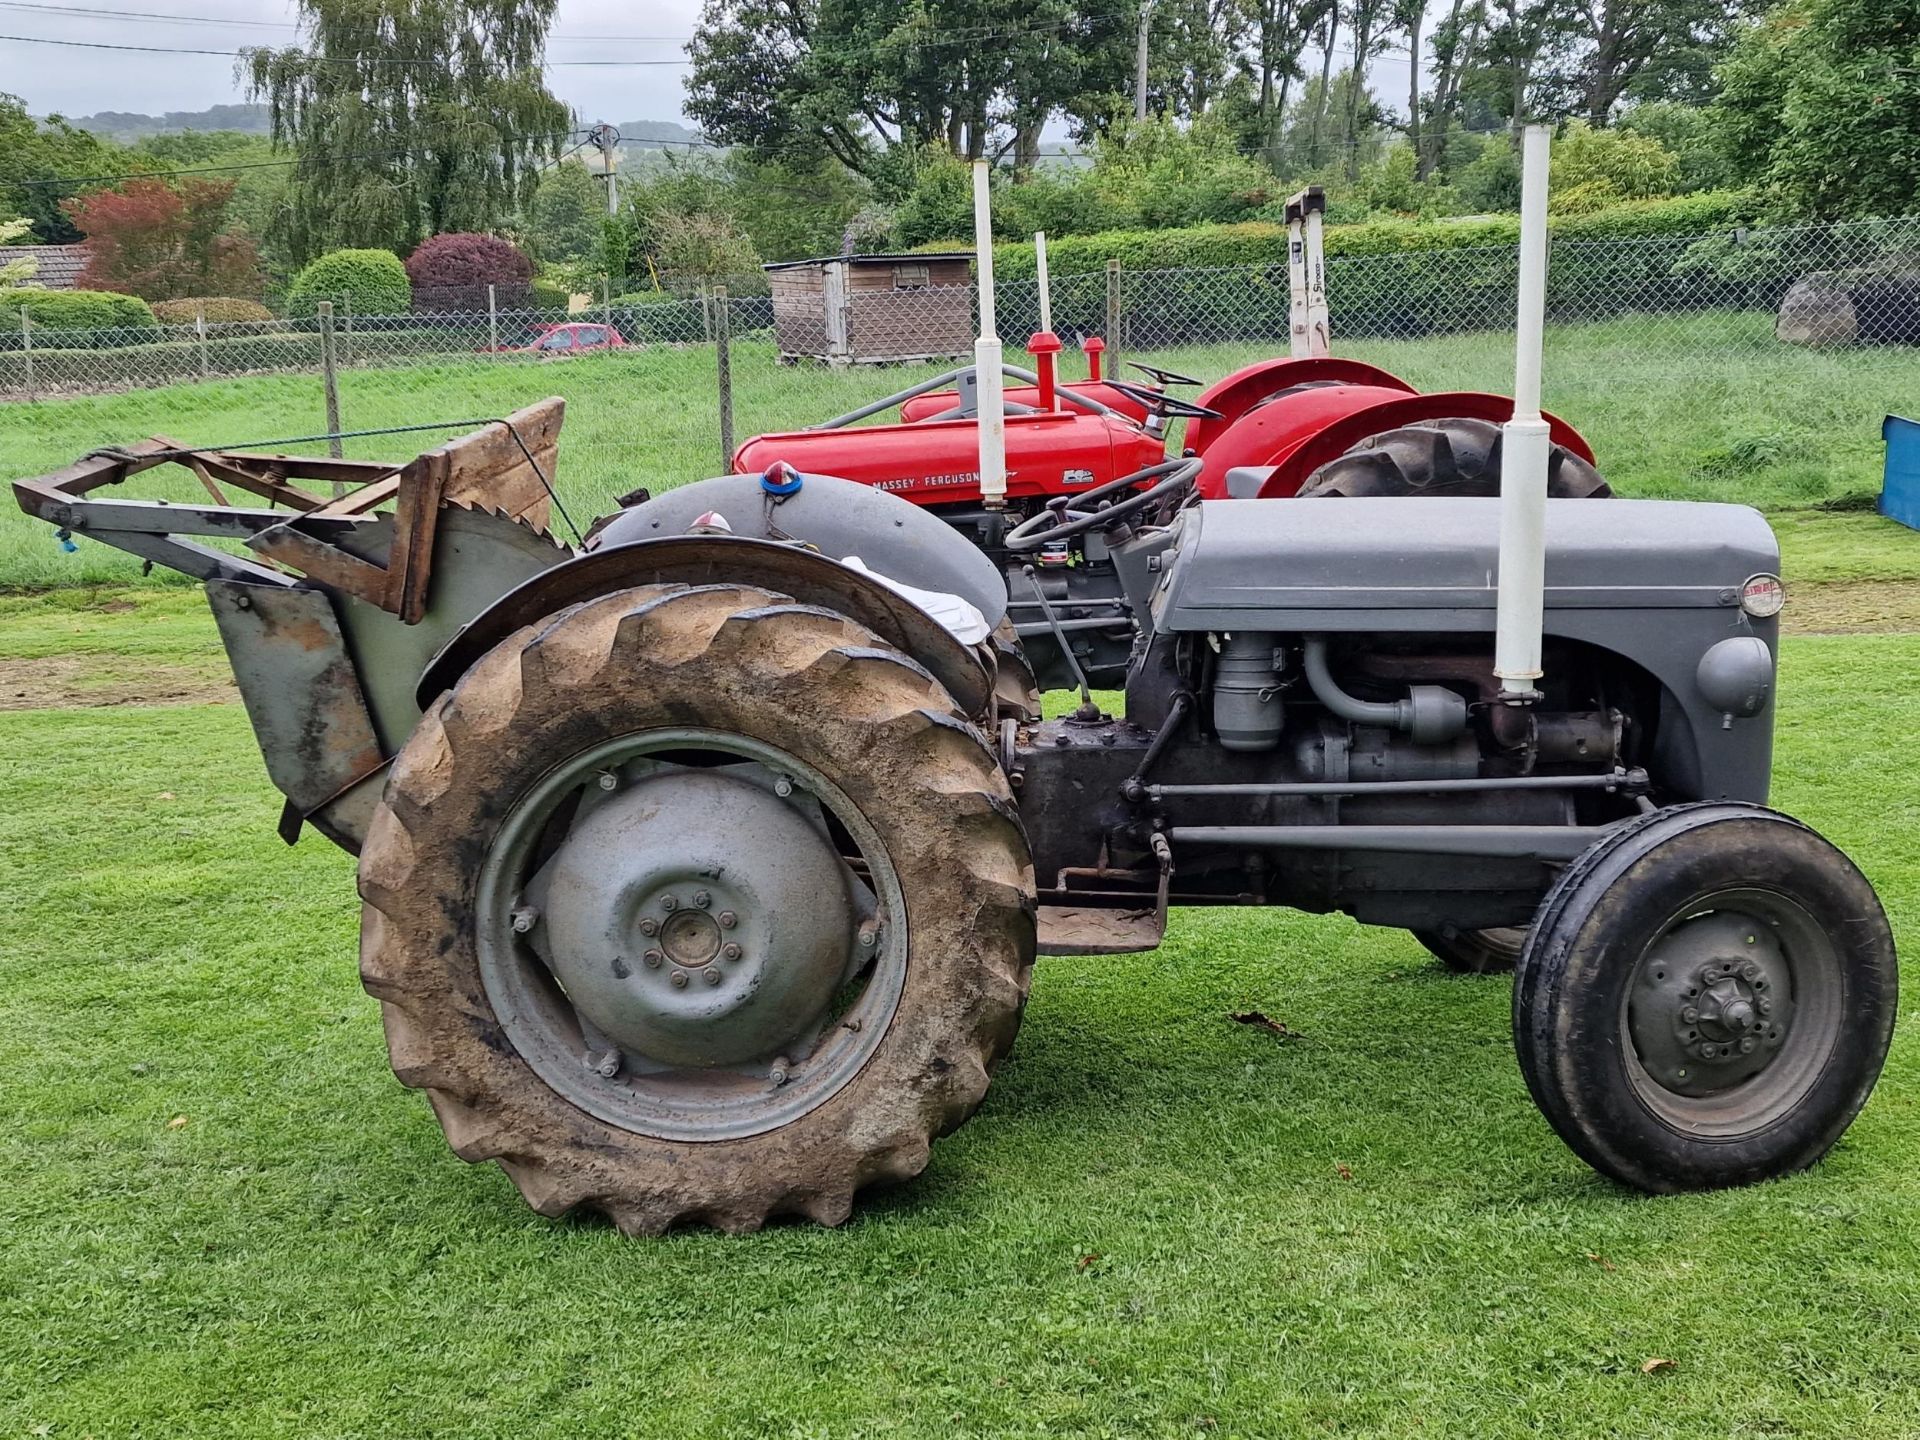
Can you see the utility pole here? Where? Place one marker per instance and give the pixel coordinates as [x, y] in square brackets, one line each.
[608, 139]
[1140, 61]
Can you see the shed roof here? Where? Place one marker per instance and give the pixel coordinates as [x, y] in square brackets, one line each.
[918, 257]
[57, 267]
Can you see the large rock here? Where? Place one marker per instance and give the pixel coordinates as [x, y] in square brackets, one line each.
[1873, 304]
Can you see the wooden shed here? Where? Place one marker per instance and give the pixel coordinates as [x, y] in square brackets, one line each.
[874, 309]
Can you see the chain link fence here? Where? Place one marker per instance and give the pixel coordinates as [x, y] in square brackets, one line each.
[1750, 365]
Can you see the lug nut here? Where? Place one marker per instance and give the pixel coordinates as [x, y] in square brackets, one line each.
[730, 950]
[728, 919]
[652, 959]
[649, 925]
[783, 787]
[679, 979]
[712, 976]
[523, 919]
[702, 899]
[667, 902]
[778, 1073]
[1763, 1005]
[1746, 1045]
[608, 780]
[869, 935]
[1749, 971]
[1691, 1015]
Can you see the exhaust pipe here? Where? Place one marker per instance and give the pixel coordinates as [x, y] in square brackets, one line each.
[1524, 450]
[990, 389]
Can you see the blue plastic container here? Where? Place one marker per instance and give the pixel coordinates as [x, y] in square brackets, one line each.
[1900, 490]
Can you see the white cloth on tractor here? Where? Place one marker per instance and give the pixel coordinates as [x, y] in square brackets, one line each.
[959, 617]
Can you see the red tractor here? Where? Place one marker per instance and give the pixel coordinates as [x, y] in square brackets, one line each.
[1308, 425]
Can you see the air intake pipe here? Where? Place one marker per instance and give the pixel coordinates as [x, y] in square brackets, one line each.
[1430, 713]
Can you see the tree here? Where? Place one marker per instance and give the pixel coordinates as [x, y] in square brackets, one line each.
[568, 207]
[40, 165]
[15, 272]
[409, 118]
[455, 272]
[1456, 42]
[1653, 49]
[164, 242]
[1821, 101]
[1281, 30]
[1366, 22]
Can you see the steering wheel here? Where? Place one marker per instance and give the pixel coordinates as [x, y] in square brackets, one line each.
[1160, 403]
[1165, 377]
[1054, 523]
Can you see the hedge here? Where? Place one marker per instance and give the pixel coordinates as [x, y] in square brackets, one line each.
[1393, 279]
[74, 309]
[216, 310]
[374, 281]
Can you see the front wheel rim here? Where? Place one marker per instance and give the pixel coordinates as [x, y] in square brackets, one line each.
[1731, 1014]
[613, 1022]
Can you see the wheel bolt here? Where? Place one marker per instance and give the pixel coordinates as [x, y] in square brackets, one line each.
[667, 902]
[728, 919]
[1763, 1005]
[783, 787]
[679, 979]
[608, 780]
[649, 925]
[523, 919]
[730, 950]
[652, 959]
[869, 935]
[702, 899]
[1691, 1015]
[778, 1073]
[1750, 971]
[1746, 1045]
[713, 977]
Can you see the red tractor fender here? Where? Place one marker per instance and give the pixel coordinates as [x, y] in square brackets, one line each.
[1246, 387]
[1299, 433]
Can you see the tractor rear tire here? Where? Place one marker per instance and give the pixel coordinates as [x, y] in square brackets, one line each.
[1476, 952]
[1016, 695]
[873, 746]
[1458, 456]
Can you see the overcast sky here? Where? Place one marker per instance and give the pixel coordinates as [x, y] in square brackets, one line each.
[77, 81]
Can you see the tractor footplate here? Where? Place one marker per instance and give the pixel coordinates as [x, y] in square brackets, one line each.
[1078, 930]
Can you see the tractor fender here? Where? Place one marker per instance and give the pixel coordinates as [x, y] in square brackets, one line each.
[787, 569]
[1246, 387]
[1298, 434]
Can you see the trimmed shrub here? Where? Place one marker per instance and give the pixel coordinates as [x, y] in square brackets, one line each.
[452, 272]
[544, 296]
[75, 309]
[373, 280]
[219, 310]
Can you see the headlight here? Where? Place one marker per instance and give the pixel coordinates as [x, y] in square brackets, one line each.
[1763, 596]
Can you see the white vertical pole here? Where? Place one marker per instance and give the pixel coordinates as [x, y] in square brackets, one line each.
[1040, 270]
[1525, 447]
[1319, 329]
[986, 354]
[1297, 348]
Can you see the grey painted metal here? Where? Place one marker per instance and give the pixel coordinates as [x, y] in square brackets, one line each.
[1751, 976]
[1625, 783]
[1430, 713]
[1736, 676]
[1238, 560]
[1512, 842]
[622, 924]
[810, 1045]
[839, 518]
[802, 575]
[300, 688]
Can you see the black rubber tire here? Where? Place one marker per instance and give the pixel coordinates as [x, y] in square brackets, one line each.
[752, 663]
[1476, 952]
[1016, 694]
[1457, 456]
[1569, 1011]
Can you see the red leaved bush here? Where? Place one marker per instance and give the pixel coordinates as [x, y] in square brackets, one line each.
[163, 242]
[452, 272]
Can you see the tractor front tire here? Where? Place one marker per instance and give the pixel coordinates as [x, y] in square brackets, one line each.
[636, 713]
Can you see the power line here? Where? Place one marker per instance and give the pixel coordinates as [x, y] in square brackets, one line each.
[313, 59]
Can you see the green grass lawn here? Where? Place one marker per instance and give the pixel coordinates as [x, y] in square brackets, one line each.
[223, 1217]
[1705, 407]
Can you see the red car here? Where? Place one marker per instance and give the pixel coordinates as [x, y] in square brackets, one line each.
[573, 338]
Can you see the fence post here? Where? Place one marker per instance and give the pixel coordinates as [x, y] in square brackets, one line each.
[723, 368]
[26, 344]
[1113, 317]
[493, 324]
[606, 302]
[200, 329]
[331, 379]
